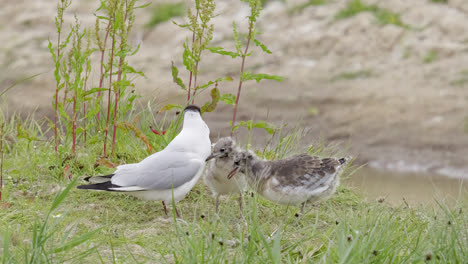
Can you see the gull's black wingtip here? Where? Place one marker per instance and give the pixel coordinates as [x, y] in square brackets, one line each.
[88, 179]
[192, 108]
[104, 186]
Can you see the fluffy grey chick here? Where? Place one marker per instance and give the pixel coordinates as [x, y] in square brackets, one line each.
[291, 181]
[220, 163]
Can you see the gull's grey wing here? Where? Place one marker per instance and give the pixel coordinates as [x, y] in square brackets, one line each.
[160, 171]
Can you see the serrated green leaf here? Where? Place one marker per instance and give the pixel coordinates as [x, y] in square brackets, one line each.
[94, 90]
[143, 6]
[210, 106]
[130, 69]
[229, 99]
[62, 111]
[220, 50]
[181, 25]
[169, 107]
[236, 38]
[233, 128]
[175, 77]
[220, 79]
[261, 45]
[137, 48]
[261, 76]
[187, 57]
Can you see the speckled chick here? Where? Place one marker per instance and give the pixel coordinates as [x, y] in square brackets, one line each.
[292, 181]
[220, 163]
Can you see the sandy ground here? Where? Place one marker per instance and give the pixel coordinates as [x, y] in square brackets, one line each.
[398, 96]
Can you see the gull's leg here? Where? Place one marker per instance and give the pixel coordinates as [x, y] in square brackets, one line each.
[217, 203]
[177, 212]
[164, 205]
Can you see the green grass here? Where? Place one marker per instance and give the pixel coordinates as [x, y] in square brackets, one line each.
[383, 16]
[165, 11]
[343, 229]
[430, 57]
[439, 1]
[353, 75]
[462, 80]
[300, 7]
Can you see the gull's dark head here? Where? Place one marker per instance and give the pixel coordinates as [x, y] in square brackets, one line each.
[241, 160]
[192, 115]
[192, 108]
[224, 148]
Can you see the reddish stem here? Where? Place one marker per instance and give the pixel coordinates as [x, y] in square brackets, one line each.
[110, 88]
[119, 76]
[74, 124]
[84, 104]
[195, 83]
[196, 68]
[55, 121]
[117, 95]
[103, 51]
[84, 122]
[57, 90]
[191, 73]
[240, 79]
[1, 161]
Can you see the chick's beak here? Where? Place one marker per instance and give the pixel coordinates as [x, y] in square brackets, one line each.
[232, 172]
[212, 156]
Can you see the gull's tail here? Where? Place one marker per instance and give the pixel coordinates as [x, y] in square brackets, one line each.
[99, 179]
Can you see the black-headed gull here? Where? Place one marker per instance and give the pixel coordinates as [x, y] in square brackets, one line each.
[170, 173]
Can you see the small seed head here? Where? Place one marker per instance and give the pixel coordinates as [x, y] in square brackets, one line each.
[428, 256]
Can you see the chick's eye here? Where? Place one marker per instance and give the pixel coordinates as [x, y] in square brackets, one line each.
[222, 150]
[236, 162]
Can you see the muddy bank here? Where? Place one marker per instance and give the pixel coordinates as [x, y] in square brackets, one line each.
[397, 95]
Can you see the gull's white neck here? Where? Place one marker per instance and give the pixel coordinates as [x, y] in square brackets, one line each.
[194, 137]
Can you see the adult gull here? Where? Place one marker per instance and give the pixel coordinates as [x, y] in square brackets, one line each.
[169, 173]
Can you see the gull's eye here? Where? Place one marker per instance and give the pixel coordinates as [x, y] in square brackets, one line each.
[222, 150]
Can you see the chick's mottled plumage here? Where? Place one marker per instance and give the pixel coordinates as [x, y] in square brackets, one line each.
[219, 165]
[290, 181]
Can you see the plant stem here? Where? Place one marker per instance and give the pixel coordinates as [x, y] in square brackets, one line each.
[103, 51]
[191, 72]
[111, 62]
[195, 82]
[117, 96]
[119, 76]
[84, 102]
[241, 76]
[74, 122]
[1, 161]
[57, 90]
[196, 68]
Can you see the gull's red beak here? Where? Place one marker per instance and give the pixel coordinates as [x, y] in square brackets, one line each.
[232, 172]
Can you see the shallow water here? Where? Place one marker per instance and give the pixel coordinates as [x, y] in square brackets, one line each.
[415, 188]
